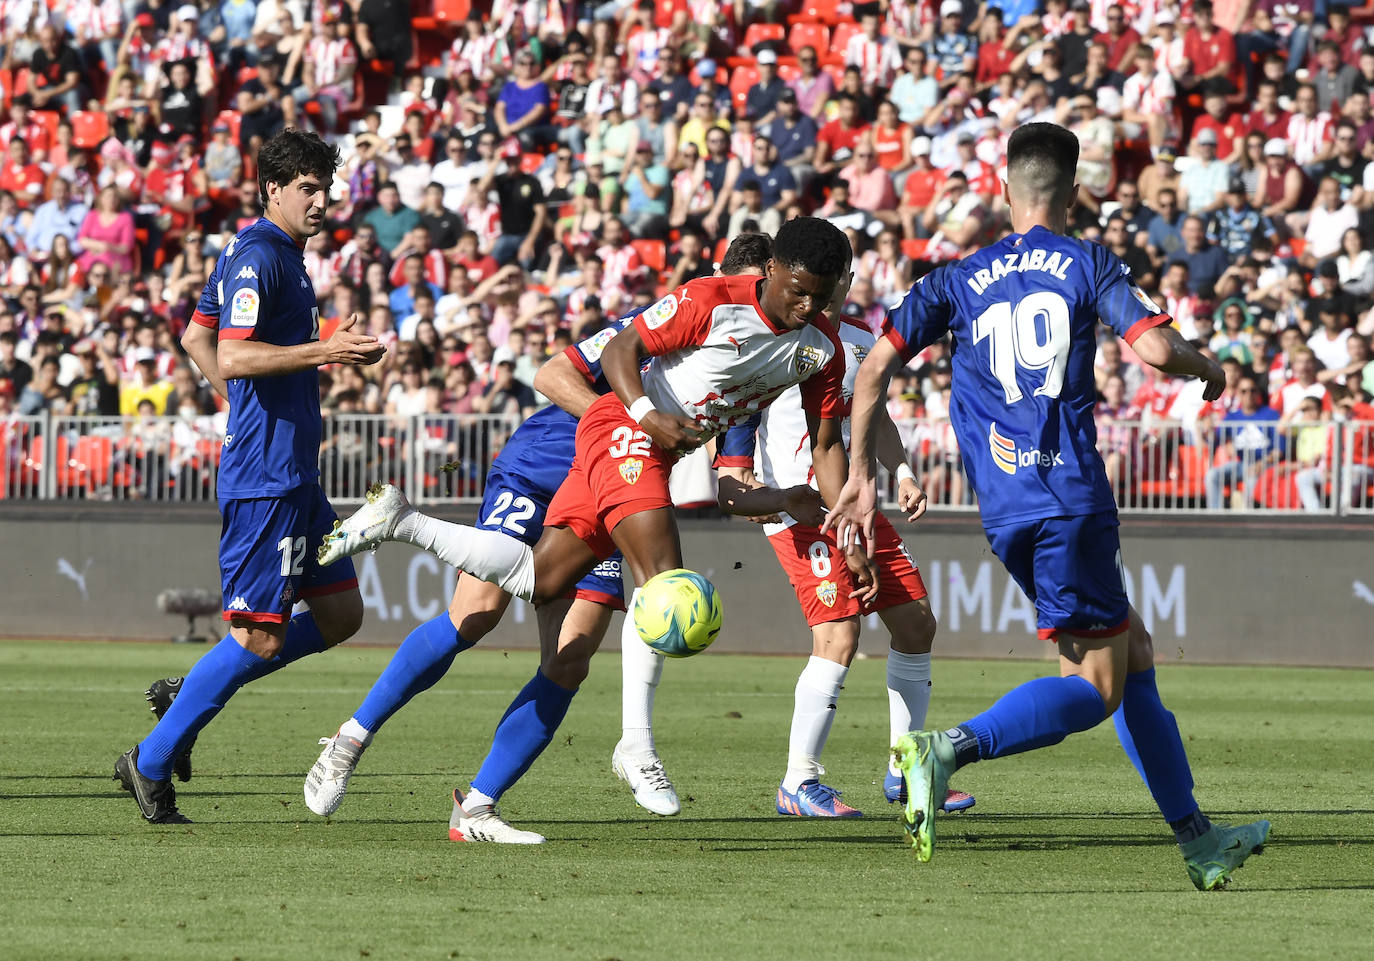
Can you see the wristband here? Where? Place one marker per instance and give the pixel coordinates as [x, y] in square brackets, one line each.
[904, 472]
[640, 409]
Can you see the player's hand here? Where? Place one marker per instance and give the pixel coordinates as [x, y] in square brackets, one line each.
[851, 516]
[672, 432]
[865, 574]
[911, 499]
[347, 346]
[1216, 381]
[804, 504]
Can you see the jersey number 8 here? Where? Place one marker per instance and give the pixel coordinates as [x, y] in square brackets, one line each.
[1035, 335]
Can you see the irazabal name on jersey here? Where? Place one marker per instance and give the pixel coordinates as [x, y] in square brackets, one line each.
[1050, 261]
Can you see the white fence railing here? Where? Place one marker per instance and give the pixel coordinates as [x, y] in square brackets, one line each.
[1159, 467]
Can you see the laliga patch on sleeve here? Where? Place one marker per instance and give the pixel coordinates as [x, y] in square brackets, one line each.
[593, 347]
[660, 313]
[244, 311]
[1145, 300]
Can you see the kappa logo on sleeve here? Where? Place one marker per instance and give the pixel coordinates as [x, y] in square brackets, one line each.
[244, 312]
[247, 273]
[661, 312]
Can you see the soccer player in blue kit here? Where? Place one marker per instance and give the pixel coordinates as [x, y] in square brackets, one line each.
[274, 513]
[519, 486]
[1022, 313]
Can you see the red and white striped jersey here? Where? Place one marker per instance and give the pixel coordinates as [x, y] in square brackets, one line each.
[878, 60]
[886, 277]
[478, 55]
[21, 17]
[178, 46]
[436, 269]
[1307, 135]
[94, 19]
[329, 55]
[1151, 95]
[34, 135]
[622, 267]
[717, 359]
[485, 221]
[641, 50]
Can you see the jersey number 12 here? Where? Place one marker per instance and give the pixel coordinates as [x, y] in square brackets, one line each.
[1035, 335]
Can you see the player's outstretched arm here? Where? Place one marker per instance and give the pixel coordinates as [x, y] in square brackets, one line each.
[1164, 347]
[852, 511]
[620, 363]
[831, 466]
[739, 493]
[563, 384]
[253, 358]
[200, 342]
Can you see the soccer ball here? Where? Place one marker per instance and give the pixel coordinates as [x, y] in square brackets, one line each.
[678, 613]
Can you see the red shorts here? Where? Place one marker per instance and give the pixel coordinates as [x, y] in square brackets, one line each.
[822, 580]
[617, 471]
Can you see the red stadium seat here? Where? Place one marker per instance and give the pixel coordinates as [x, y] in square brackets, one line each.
[722, 245]
[452, 11]
[740, 81]
[530, 162]
[839, 37]
[809, 35]
[89, 128]
[654, 253]
[48, 120]
[915, 247]
[760, 33]
[822, 11]
[836, 71]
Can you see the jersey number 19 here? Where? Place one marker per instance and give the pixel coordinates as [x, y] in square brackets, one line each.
[1034, 335]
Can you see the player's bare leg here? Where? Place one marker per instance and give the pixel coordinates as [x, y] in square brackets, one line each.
[649, 540]
[569, 634]
[421, 660]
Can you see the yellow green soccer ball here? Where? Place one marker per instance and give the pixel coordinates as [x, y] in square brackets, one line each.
[678, 613]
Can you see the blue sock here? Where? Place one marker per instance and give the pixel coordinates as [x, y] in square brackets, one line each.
[1036, 714]
[303, 638]
[525, 730]
[211, 682]
[423, 657]
[1150, 736]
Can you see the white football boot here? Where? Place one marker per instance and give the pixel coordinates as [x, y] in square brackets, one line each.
[367, 527]
[647, 779]
[327, 780]
[485, 824]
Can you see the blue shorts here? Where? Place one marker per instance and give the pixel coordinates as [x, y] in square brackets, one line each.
[267, 554]
[515, 505]
[1070, 568]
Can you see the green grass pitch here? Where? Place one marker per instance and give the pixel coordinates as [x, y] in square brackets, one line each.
[1063, 858]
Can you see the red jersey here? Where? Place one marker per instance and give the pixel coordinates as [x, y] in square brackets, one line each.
[1227, 130]
[1205, 54]
[1256, 121]
[840, 139]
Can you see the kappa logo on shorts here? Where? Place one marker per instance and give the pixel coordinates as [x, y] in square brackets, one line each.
[827, 592]
[631, 469]
[660, 313]
[238, 604]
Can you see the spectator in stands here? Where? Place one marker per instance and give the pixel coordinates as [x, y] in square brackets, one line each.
[1096, 164]
[1247, 440]
[56, 72]
[95, 391]
[1345, 165]
[1209, 48]
[1202, 187]
[1268, 118]
[661, 134]
[43, 393]
[644, 183]
[1326, 222]
[1206, 262]
[1120, 38]
[1147, 101]
[1115, 239]
[1235, 226]
[1165, 235]
[60, 215]
[692, 262]
[408, 171]
[13, 371]
[952, 50]
[1355, 267]
[1304, 381]
[1310, 130]
[1329, 343]
[523, 108]
[264, 103]
[837, 140]
[955, 218]
[1334, 81]
[383, 30]
[329, 64]
[1159, 176]
[402, 299]
[761, 100]
[673, 89]
[21, 177]
[505, 394]
[878, 58]
[812, 85]
[1136, 216]
[523, 216]
[107, 234]
[390, 219]
[1279, 187]
[870, 186]
[751, 216]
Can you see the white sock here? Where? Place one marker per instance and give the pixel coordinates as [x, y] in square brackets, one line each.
[818, 687]
[351, 728]
[488, 555]
[908, 694]
[475, 799]
[641, 667]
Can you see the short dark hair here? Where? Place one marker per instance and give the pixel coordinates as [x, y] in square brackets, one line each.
[747, 251]
[1042, 159]
[815, 245]
[291, 154]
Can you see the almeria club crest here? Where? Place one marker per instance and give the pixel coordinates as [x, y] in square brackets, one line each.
[827, 592]
[631, 469]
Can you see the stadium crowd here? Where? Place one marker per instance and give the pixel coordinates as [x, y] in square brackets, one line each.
[516, 172]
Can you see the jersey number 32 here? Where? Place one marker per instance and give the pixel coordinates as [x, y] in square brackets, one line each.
[1034, 335]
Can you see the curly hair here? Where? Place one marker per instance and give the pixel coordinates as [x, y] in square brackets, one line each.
[814, 245]
[747, 252]
[291, 154]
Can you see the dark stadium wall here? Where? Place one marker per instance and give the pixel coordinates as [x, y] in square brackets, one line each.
[1218, 592]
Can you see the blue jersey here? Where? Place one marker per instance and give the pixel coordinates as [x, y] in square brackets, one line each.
[259, 290]
[1022, 314]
